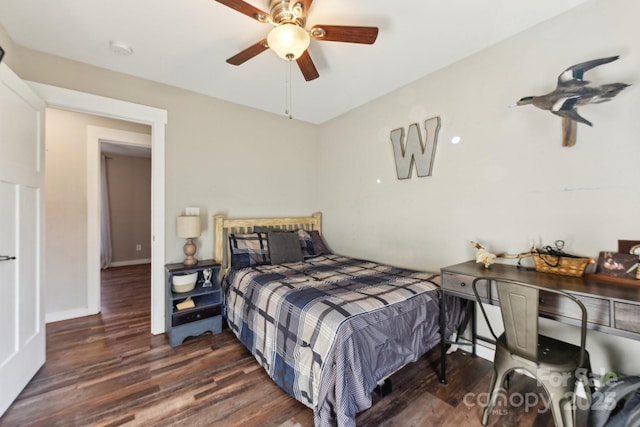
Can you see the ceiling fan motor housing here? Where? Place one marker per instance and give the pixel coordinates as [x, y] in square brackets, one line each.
[285, 11]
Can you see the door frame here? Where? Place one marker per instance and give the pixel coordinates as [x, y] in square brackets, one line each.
[67, 99]
[95, 135]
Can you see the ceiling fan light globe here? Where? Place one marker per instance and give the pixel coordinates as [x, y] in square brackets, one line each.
[288, 41]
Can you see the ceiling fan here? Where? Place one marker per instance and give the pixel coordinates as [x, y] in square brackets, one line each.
[289, 39]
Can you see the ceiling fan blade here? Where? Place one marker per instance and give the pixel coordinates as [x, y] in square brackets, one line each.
[249, 53]
[247, 9]
[307, 66]
[341, 33]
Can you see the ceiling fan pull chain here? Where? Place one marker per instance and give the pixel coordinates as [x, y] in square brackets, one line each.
[287, 84]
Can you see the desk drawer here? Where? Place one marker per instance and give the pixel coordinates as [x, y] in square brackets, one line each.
[598, 310]
[180, 318]
[626, 316]
[461, 284]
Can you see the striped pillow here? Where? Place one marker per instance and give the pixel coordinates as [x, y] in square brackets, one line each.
[249, 249]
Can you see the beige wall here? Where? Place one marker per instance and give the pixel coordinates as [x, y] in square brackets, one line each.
[509, 183]
[66, 206]
[130, 207]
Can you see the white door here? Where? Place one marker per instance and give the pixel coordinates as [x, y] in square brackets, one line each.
[22, 328]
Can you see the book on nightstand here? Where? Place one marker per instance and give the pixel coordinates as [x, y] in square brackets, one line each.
[188, 303]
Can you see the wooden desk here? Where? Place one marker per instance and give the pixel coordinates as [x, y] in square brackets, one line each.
[611, 308]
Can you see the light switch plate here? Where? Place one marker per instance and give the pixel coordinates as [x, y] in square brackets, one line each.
[192, 211]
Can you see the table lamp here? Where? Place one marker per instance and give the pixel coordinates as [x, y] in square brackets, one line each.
[189, 228]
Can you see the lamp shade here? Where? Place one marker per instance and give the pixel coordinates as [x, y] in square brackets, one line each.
[289, 41]
[188, 226]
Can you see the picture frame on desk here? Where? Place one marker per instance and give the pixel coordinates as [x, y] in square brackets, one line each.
[629, 247]
[616, 264]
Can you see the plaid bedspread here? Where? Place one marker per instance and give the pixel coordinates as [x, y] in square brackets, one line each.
[327, 329]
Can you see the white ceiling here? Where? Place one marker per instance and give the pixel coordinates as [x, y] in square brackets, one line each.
[185, 43]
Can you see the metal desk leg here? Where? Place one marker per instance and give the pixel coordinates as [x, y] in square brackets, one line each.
[474, 328]
[443, 342]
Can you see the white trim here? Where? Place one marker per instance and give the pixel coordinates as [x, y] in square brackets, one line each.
[65, 315]
[93, 104]
[130, 262]
[12, 80]
[485, 352]
[95, 135]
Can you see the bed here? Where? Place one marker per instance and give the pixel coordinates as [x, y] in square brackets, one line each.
[326, 328]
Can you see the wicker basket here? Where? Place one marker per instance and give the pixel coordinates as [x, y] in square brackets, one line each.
[567, 266]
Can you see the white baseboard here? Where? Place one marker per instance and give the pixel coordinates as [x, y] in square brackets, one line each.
[66, 315]
[481, 350]
[485, 352]
[131, 262]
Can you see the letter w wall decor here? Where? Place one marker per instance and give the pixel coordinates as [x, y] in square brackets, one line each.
[414, 151]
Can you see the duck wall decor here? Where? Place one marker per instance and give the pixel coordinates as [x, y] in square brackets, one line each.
[571, 92]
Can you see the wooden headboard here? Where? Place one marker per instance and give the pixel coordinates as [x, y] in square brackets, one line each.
[224, 226]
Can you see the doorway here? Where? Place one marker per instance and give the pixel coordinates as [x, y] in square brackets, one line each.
[125, 203]
[157, 118]
[96, 138]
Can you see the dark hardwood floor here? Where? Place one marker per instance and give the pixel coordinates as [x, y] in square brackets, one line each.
[108, 370]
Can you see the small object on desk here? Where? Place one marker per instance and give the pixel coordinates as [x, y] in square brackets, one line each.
[554, 260]
[206, 273]
[618, 265]
[483, 256]
[487, 258]
[188, 303]
[632, 247]
[629, 247]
